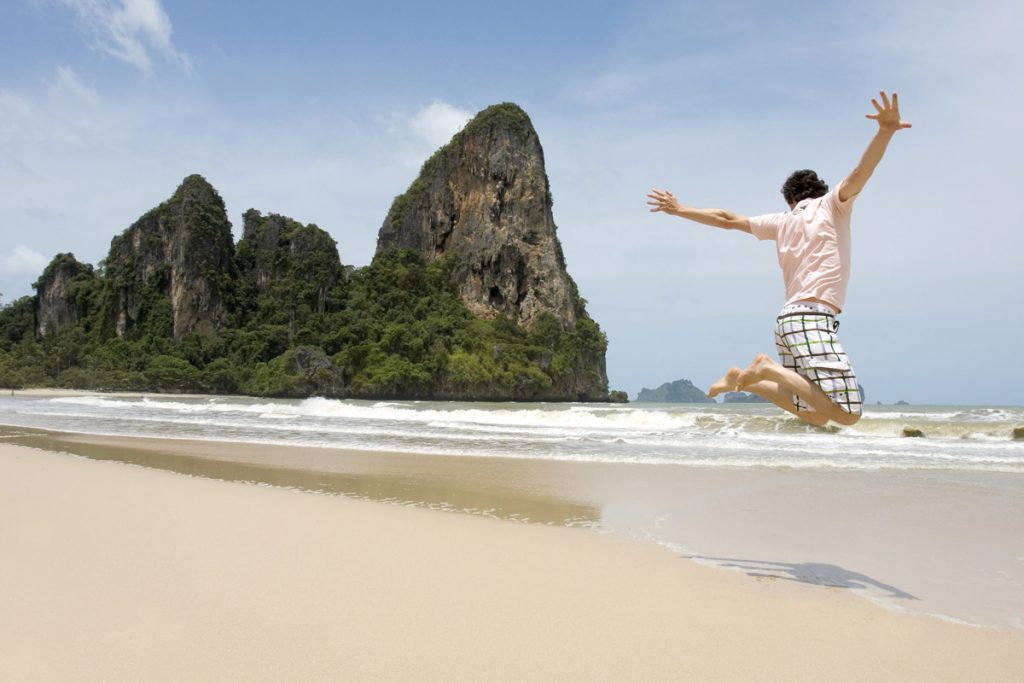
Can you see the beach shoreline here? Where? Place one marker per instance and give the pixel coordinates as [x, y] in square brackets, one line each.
[946, 544]
[123, 572]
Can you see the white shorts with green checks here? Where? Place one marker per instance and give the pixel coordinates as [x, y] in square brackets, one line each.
[806, 339]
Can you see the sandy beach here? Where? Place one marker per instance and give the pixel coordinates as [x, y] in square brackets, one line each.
[121, 572]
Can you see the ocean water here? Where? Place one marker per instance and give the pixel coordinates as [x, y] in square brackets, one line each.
[963, 438]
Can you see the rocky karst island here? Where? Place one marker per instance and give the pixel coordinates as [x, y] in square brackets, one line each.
[467, 296]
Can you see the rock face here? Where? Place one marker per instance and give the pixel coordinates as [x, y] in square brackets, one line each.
[281, 258]
[314, 374]
[484, 201]
[62, 294]
[482, 204]
[180, 253]
[680, 391]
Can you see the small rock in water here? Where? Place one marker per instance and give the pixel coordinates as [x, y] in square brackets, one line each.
[912, 431]
[1018, 432]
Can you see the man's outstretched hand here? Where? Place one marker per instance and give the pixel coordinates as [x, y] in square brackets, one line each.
[663, 200]
[888, 115]
[666, 202]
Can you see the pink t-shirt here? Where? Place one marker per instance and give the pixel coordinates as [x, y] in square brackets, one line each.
[813, 242]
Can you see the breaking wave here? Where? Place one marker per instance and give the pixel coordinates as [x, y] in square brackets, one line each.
[971, 438]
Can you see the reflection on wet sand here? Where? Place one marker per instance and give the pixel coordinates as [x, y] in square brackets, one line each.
[460, 484]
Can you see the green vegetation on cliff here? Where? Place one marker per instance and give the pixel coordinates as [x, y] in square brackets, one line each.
[394, 329]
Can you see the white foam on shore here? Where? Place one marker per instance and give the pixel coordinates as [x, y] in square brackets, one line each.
[578, 417]
[705, 435]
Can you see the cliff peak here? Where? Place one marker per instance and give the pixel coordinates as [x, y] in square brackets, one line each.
[484, 199]
[195, 182]
[180, 252]
[63, 294]
[282, 261]
[507, 115]
[483, 204]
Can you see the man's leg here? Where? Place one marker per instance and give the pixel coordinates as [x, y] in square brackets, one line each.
[768, 390]
[726, 383]
[784, 399]
[764, 370]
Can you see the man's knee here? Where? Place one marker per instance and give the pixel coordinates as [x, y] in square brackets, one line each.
[844, 418]
[816, 419]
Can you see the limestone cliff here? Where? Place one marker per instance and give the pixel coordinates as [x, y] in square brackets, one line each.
[294, 264]
[484, 199]
[483, 203]
[63, 294]
[173, 266]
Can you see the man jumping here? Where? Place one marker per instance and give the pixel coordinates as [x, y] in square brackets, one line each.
[815, 381]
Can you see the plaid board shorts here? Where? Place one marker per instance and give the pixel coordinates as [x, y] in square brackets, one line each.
[806, 339]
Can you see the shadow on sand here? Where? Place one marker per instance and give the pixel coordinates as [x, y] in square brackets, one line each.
[816, 573]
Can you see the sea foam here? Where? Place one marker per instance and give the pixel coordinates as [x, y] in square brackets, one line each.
[716, 435]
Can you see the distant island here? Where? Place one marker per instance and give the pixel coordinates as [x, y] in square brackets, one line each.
[680, 391]
[467, 296]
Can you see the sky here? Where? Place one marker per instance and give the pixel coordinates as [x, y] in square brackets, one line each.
[324, 111]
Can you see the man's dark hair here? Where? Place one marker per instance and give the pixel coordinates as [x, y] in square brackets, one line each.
[803, 184]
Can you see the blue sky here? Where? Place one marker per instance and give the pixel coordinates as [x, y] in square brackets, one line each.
[324, 111]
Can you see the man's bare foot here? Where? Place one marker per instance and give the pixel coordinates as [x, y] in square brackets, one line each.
[754, 372]
[727, 383]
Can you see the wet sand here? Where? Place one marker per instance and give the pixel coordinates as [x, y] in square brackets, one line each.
[114, 572]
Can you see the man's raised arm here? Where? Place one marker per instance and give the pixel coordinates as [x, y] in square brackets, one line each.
[666, 202]
[888, 117]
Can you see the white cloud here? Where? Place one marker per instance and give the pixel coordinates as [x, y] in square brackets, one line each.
[22, 260]
[14, 109]
[437, 122]
[129, 30]
[67, 84]
[62, 115]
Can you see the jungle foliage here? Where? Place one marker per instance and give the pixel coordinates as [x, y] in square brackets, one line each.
[393, 329]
